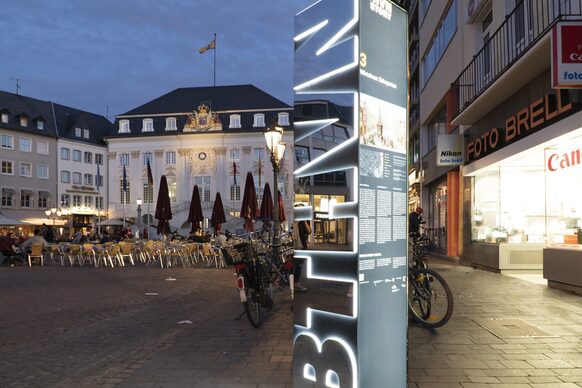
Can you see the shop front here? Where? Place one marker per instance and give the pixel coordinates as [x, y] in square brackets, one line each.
[521, 201]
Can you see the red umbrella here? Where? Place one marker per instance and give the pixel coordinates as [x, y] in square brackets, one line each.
[195, 215]
[281, 208]
[163, 207]
[218, 216]
[266, 213]
[249, 209]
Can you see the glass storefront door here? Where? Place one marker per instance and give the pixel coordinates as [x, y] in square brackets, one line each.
[437, 217]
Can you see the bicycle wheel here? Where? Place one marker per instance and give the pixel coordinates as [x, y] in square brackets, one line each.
[430, 300]
[252, 308]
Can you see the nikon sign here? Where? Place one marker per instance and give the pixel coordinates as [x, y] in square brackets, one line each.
[449, 150]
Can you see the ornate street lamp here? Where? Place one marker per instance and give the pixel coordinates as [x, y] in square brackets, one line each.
[273, 136]
[138, 221]
[53, 213]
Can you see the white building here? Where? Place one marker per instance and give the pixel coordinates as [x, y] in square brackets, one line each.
[82, 155]
[196, 136]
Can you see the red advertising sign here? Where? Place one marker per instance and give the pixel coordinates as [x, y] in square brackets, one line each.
[567, 55]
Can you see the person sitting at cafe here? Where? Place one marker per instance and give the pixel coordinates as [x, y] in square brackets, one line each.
[36, 239]
[220, 239]
[77, 237]
[7, 253]
[105, 237]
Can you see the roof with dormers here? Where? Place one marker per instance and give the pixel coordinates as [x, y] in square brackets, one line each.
[66, 119]
[243, 100]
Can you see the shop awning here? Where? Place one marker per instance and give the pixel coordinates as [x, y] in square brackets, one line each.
[5, 221]
[40, 221]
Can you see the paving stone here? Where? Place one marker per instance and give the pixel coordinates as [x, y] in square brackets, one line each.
[72, 335]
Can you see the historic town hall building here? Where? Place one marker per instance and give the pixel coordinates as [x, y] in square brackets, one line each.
[205, 136]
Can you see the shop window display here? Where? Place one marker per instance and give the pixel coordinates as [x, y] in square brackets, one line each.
[529, 201]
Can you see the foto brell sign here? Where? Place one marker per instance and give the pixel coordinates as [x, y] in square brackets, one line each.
[449, 150]
[567, 55]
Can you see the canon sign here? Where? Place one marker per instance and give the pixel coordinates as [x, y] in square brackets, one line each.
[567, 55]
[561, 161]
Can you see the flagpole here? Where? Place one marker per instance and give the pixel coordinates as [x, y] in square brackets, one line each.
[215, 59]
[98, 209]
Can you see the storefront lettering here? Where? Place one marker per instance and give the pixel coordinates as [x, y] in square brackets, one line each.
[538, 112]
[487, 142]
[566, 160]
[519, 125]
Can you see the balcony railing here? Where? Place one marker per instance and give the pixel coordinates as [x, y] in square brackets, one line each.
[523, 27]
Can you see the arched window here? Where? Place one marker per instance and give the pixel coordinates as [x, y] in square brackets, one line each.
[259, 121]
[234, 121]
[148, 125]
[171, 124]
[284, 118]
[123, 126]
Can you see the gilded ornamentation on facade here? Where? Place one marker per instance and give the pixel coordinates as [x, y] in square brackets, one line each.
[202, 119]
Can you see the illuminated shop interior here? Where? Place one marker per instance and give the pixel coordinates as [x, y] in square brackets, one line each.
[533, 197]
[326, 230]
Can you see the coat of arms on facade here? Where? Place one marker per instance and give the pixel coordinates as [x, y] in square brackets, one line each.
[202, 119]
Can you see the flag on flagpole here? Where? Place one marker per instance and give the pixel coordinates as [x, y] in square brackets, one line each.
[124, 184]
[209, 46]
[260, 169]
[234, 171]
[150, 176]
[98, 182]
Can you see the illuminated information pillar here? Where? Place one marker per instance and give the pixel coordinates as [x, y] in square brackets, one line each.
[350, 84]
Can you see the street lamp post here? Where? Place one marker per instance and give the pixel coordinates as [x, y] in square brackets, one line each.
[273, 137]
[138, 221]
[53, 213]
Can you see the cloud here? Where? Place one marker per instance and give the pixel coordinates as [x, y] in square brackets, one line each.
[90, 54]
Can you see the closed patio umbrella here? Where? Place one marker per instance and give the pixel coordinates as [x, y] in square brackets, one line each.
[218, 217]
[195, 216]
[266, 212]
[249, 209]
[163, 208]
[281, 208]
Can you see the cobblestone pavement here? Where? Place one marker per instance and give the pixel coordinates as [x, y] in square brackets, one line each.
[86, 327]
[463, 353]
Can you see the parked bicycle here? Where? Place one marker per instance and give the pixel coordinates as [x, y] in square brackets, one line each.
[258, 276]
[430, 300]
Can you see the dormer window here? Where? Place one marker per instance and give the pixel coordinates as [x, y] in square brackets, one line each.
[234, 121]
[148, 125]
[4, 116]
[284, 118]
[86, 133]
[259, 121]
[171, 124]
[78, 132]
[40, 124]
[23, 120]
[123, 126]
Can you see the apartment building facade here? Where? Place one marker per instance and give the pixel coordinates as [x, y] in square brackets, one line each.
[27, 156]
[38, 139]
[513, 198]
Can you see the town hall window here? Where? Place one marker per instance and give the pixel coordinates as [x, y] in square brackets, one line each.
[234, 121]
